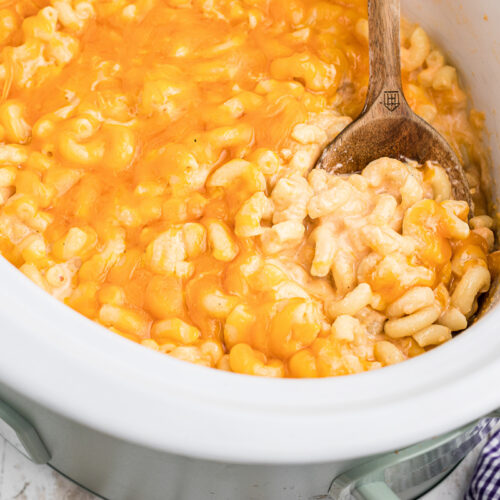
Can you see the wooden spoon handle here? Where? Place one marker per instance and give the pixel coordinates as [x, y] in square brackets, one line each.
[385, 62]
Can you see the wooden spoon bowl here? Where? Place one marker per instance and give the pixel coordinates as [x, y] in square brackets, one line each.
[388, 127]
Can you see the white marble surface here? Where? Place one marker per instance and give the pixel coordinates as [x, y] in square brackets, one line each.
[22, 480]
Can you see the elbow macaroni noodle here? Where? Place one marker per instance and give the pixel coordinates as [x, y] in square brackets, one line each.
[155, 175]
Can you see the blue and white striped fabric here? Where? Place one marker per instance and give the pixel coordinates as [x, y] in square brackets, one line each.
[485, 484]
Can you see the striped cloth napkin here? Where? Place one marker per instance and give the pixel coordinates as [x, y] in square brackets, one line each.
[485, 483]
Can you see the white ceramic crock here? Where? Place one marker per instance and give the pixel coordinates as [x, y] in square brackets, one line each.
[129, 423]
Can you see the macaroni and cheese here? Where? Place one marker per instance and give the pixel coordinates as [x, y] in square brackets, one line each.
[155, 175]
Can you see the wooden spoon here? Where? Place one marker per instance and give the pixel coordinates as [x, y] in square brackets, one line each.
[387, 126]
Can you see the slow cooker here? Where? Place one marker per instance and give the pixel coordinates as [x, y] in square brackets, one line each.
[130, 423]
